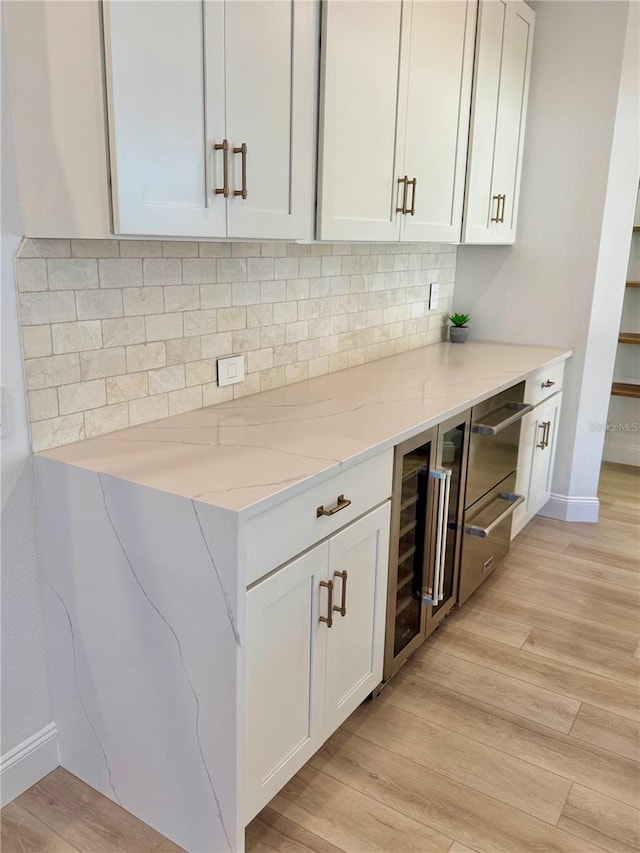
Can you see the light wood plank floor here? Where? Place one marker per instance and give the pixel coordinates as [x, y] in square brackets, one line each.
[515, 728]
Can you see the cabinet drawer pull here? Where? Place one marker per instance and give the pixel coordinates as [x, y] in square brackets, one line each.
[329, 617]
[512, 501]
[496, 218]
[504, 198]
[341, 503]
[405, 183]
[412, 209]
[342, 610]
[224, 147]
[545, 426]
[548, 383]
[242, 150]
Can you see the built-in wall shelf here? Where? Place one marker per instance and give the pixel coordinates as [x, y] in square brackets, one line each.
[625, 389]
[629, 338]
[633, 284]
[636, 227]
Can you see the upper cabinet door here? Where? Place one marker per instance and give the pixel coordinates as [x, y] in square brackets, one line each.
[435, 97]
[161, 147]
[499, 109]
[271, 50]
[357, 187]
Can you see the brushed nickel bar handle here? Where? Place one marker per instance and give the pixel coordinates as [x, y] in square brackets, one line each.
[413, 183]
[513, 501]
[242, 150]
[341, 503]
[548, 383]
[342, 610]
[496, 218]
[432, 596]
[405, 182]
[546, 433]
[541, 426]
[329, 617]
[504, 199]
[445, 524]
[521, 409]
[224, 147]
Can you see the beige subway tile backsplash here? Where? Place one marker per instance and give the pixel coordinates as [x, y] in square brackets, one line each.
[121, 332]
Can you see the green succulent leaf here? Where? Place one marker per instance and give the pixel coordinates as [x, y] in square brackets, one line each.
[459, 319]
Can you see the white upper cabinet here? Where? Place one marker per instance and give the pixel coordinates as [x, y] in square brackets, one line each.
[498, 117]
[435, 98]
[394, 116]
[358, 105]
[211, 116]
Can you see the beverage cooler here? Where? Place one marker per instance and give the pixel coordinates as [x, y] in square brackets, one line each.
[426, 534]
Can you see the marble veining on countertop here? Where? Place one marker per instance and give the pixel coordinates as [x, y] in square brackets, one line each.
[254, 451]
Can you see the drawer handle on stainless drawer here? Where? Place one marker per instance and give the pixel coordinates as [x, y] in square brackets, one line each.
[548, 383]
[342, 610]
[513, 501]
[329, 617]
[341, 503]
[493, 429]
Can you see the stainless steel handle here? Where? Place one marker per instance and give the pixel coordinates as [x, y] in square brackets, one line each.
[545, 426]
[501, 215]
[540, 444]
[513, 501]
[342, 610]
[341, 503]
[329, 617]
[435, 593]
[548, 383]
[242, 150]
[405, 183]
[224, 147]
[412, 209]
[520, 409]
[496, 218]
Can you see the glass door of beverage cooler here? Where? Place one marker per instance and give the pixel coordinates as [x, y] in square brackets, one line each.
[411, 522]
[451, 455]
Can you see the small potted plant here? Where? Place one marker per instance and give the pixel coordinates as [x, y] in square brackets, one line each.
[459, 330]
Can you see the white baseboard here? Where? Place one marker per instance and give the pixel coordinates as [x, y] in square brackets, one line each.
[25, 764]
[624, 454]
[567, 508]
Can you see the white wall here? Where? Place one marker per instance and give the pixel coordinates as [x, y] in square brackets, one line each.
[25, 692]
[563, 281]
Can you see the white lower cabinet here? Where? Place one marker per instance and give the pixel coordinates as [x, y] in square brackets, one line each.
[535, 460]
[314, 650]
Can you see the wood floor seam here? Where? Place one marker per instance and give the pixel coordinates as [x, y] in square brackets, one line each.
[500, 672]
[490, 746]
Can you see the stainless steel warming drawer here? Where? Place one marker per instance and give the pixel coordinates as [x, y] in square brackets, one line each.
[487, 535]
[495, 434]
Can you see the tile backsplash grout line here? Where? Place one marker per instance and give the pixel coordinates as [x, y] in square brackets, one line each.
[122, 332]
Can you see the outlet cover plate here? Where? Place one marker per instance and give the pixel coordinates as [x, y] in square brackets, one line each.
[230, 370]
[433, 295]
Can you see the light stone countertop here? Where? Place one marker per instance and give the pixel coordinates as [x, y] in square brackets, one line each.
[251, 453]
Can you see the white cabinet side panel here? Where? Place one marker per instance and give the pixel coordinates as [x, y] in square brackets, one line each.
[145, 661]
[156, 96]
[357, 187]
[55, 71]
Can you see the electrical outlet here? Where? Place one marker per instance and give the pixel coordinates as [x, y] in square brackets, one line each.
[230, 370]
[433, 295]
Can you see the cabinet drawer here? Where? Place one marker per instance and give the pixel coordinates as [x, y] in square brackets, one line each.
[280, 533]
[543, 384]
